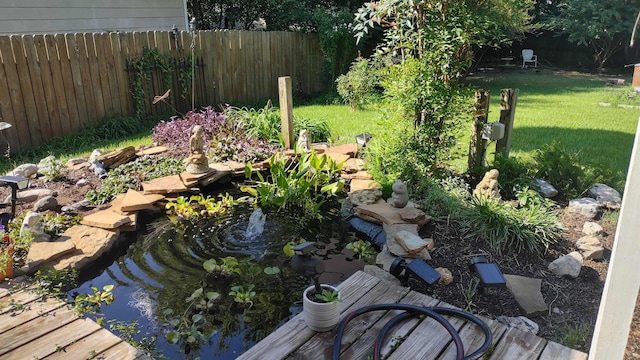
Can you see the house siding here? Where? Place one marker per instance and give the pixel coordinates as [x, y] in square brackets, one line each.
[70, 16]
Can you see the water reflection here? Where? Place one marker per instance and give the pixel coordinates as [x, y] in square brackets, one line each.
[164, 266]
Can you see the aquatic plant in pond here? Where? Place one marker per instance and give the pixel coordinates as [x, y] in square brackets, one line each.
[204, 288]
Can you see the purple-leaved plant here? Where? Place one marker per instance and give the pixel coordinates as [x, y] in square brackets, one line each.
[227, 140]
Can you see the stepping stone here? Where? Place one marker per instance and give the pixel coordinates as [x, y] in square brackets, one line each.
[232, 166]
[338, 158]
[412, 243]
[353, 165]
[527, 293]
[152, 151]
[90, 243]
[43, 252]
[347, 149]
[164, 185]
[105, 219]
[203, 179]
[134, 201]
[391, 230]
[360, 175]
[132, 225]
[387, 214]
[358, 185]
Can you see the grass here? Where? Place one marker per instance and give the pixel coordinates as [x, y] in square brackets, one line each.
[552, 105]
[344, 123]
[564, 107]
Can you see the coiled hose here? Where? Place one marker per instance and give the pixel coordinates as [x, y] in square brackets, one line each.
[413, 310]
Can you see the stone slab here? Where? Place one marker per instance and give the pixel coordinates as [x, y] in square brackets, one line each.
[231, 166]
[338, 158]
[90, 243]
[164, 185]
[358, 185]
[44, 252]
[105, 219]
[132, 225]
[527, 293]
[135, 201]
[387, 214]
[206, 181]
[392, 244]
[190, 179]
[353, 165]
[152, 151]
[347, 149]
[412, 243]
[360, 175]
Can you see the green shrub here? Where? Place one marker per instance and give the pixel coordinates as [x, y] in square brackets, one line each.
[131, 176]
[442, 198]
[356, 85]
[562, 170]
[50, 168]
[266, 124]
[508, 229]
[514, 175]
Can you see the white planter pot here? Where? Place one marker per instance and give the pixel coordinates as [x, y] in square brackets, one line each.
[320, 316]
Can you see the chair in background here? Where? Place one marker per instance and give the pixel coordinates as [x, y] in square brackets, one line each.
[529, 57]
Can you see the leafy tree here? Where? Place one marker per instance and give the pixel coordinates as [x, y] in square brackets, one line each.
[427, 48]
[605, 26]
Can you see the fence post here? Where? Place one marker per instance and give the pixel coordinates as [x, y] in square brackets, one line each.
[508, 101]
[476, 143]
[286, 110]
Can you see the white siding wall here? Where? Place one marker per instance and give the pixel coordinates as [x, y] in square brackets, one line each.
[62, 16]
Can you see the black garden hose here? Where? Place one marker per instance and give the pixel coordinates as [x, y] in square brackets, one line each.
[412, 310]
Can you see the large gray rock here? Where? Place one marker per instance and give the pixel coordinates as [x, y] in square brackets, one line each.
[592, 228]
[527, 293]
[606, 196]
[545, 189]
[46, 203]
[584, 206]
[365, 197]
[80, 205]
[31, 195]
[588, 240]
[24, 170]
[567, 265]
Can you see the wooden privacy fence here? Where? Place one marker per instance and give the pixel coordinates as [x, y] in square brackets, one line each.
[55, 85]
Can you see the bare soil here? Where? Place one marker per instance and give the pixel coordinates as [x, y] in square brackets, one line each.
[572, 303]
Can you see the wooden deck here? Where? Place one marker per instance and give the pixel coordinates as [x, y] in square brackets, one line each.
[31, 328]
[423, 339]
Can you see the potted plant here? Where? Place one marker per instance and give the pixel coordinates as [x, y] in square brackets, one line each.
[6, 255]
[320, 302]
[321, 306]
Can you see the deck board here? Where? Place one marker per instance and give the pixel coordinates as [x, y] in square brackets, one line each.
[33, 328]
[421, 338]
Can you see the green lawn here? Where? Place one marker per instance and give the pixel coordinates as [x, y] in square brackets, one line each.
[565, 107]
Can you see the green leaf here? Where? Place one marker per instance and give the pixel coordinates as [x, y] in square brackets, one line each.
[272, 270]
[173, 337]
[196, 317]
[107, 288]
[210, 265]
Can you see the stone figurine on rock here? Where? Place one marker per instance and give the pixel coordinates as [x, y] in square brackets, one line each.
[304, 144]
[197, 162]
[400, 196]
[488, 187]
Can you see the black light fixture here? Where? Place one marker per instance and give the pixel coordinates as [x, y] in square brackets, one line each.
[16, 183]
[417, 269]
[488, 273]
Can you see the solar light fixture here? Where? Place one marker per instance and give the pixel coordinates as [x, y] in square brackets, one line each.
[16, 183]
[418, 269]
[363, 139]
[488, 273]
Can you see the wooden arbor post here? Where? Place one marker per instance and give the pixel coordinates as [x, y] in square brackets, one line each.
[476, 143]
[508, 101]
[286, 110]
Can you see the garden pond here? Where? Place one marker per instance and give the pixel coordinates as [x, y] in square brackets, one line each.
[167, 282]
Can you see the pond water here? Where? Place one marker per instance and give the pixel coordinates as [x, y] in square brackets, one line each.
[164, 266]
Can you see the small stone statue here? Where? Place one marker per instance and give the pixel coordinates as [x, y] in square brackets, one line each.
[399, 197]
[33, 226]
[488, 187]
[197, 162]
[304, 144]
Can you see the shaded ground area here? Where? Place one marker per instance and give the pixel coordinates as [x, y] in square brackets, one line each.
[573, 303]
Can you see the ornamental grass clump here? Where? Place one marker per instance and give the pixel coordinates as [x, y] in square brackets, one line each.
[530, 227]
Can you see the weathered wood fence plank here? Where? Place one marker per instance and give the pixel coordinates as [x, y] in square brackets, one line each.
[56, 85]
